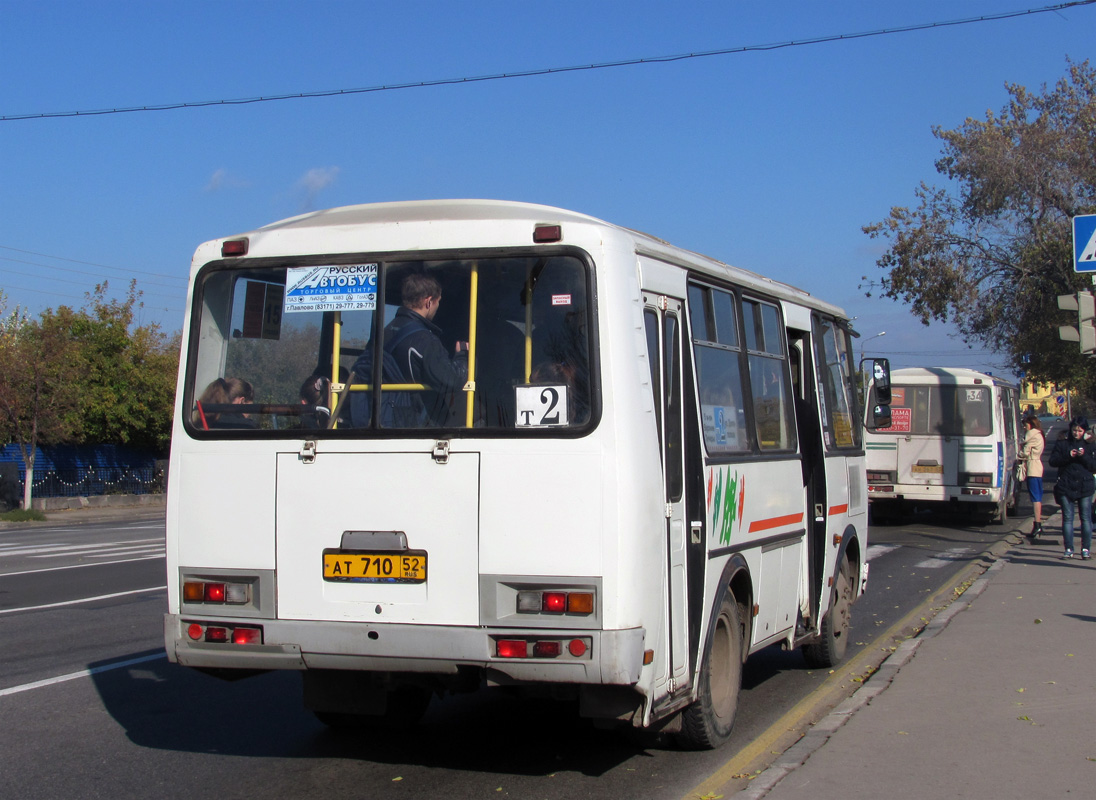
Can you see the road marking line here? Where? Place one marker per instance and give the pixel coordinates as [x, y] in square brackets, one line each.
[84, 673]
[78, 566]
[105, 552]
[68, 547]
[83, 600]
[877, 550]
[942, 559]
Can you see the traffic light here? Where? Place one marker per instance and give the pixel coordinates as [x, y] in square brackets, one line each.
[1085, 332]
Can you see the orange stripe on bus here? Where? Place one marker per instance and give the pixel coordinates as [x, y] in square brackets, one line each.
[775, 522]
[842, 509]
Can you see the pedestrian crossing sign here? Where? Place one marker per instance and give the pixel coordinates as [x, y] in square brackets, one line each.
[1084, 243]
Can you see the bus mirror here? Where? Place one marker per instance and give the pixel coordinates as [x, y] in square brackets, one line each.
[881, 379]
[880, 417]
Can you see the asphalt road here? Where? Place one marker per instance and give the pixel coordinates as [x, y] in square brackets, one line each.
[89, 705]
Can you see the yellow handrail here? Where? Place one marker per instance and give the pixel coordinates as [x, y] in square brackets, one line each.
[473, 311]
[390, 387]
[336, 355]
[529, 325]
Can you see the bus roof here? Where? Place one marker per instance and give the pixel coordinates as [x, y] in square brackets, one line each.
[470, 223]
[949, 375]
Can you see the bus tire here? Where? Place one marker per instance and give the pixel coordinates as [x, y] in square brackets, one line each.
[833, 642]
[708, 722]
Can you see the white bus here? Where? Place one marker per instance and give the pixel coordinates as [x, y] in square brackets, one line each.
[954, 439]
[654, 467]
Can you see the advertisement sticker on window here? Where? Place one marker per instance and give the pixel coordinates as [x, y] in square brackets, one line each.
[900, 421]
[350, 287]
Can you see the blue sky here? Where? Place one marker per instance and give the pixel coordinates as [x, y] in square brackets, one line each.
[769, 160]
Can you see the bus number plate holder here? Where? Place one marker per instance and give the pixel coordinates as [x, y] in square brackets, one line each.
[355, 566]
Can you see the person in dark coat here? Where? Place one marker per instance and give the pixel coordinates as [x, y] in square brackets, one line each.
[1075, 458]
[421, 355]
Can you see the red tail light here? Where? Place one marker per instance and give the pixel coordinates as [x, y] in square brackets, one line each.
[546, 649]
[247, 636]
[234, 247]
[512, 648]
[555, 602]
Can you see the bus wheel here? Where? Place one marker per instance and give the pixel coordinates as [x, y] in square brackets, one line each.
[830, 649]
[707, 723]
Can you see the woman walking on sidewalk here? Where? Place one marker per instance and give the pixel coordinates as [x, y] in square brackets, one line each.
[1031, 452]
[1075, 458]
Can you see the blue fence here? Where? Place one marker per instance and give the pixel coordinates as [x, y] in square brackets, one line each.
[71, 471]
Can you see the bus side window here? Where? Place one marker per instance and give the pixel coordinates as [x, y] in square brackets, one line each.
[768, 376]
[718, 359]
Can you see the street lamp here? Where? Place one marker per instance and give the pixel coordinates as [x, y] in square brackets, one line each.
[864, 375]
[864, 346]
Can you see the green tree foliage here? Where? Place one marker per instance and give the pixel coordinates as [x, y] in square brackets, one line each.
[128, 373]
[39, 399]
[991, 252]
[85, 377]
[276, 367]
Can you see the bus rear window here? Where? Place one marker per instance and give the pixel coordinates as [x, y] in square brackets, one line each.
[940, 410]
[487, 343]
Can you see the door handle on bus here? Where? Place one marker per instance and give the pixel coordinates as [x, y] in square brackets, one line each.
[696, 528]
[308, 452]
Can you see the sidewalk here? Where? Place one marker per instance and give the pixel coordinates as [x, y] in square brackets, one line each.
[995, 699]
[110, 508]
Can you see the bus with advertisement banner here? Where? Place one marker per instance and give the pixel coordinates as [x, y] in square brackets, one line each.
[953, 440]
[424, 447]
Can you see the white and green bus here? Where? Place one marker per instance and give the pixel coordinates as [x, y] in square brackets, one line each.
[953, 442]
[652, 468]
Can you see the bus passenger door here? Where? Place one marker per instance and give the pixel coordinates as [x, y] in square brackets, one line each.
[663, 320]
[813, 464]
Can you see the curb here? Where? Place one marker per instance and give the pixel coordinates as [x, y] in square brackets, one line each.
[99, 510]
[880, 680]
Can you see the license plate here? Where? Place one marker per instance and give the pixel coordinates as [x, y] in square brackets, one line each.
[937, 469]
[407, 566]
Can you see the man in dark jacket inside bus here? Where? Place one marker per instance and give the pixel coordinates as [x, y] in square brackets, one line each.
[1075, 458]
[418, 349]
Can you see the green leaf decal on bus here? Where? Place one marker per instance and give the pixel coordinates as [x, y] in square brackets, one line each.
[730, 509]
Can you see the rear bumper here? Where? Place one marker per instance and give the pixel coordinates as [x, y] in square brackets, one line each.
[935, 494]
[611, 657]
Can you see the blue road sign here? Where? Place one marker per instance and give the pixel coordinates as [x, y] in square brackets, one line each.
[1084, 243]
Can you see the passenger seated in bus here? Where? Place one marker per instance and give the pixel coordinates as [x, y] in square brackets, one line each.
[421, 356]
[567, 351]
[554, 373]
[315, 393]
[559, 337]
[222, 392]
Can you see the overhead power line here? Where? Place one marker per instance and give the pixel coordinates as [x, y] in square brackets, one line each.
[556, 70]
[83, 272]
[127, 270]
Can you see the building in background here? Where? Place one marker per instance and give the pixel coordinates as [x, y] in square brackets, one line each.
[1044, 398]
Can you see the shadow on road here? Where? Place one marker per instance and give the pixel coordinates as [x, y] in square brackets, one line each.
[164, 706]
